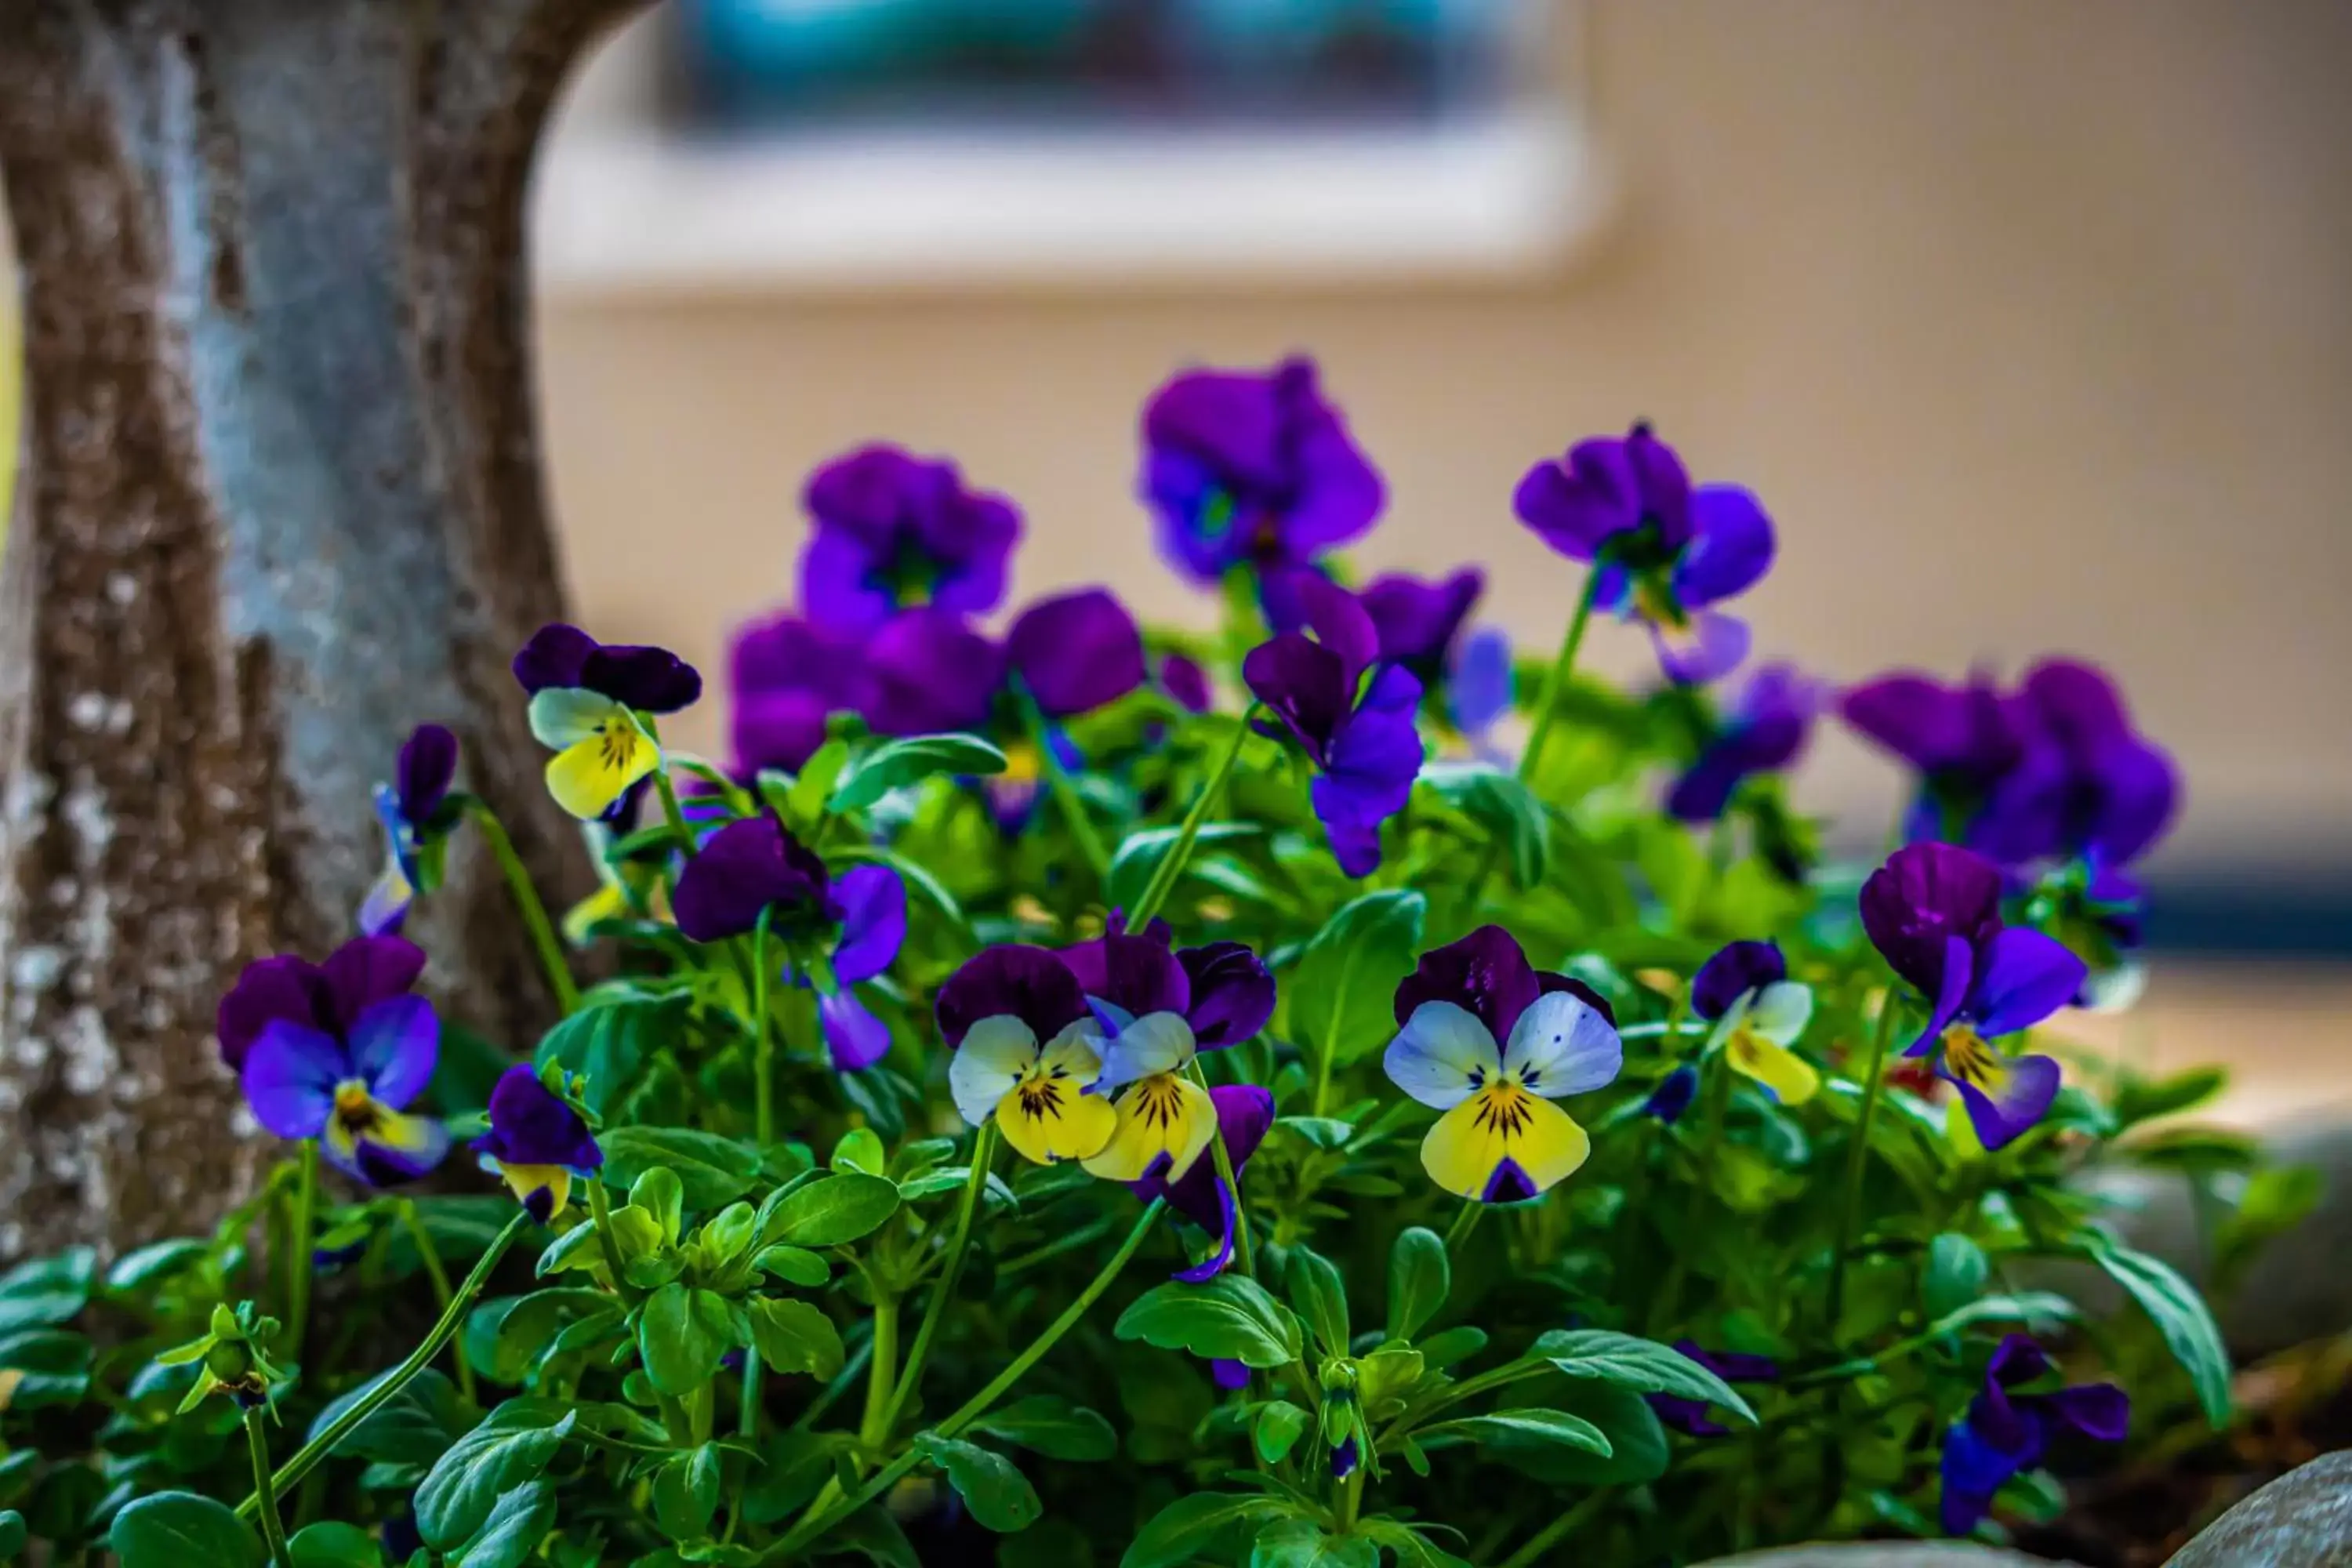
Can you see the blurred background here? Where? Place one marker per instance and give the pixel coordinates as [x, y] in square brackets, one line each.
[2031, 321]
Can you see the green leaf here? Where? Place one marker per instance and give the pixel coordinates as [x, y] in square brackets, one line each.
[1412, 1549]
[991, 1485]
[1302, 1543]
[894, 764]
[2181, 1316]
[504, 1339]
[1955, 1274]
[686, 1493]
[803, 803]
[1276, 1429]
[1230, 1317]
[47, 1291]
[1507, 808]
[1643, 1365]
[713, 1171]
[1420, 1277]
[331, 1543]
[157, 1260]
[860, 1149]
[1459, 1342]
[795, 1266]
[1320, 1296]
[52, 1367]
[874, 1535]
[1139, 854]
[1341, 993]
[511, 1446]
[1049, 1543]
[832, 1211]
[1550, 1427]
[794, 1468]
[1323, 1131]
[606, 1043]
[795, 1336]
[683, 1334]
[1053, 1427]
[2138, 1099]
[1386, 1373]
[1637, 1442]
[1190, 1527]
[415, 1427]
[180, 1530]
[12, 1534]
[522, 1516]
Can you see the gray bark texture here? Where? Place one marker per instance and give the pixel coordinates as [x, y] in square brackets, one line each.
[281, 500]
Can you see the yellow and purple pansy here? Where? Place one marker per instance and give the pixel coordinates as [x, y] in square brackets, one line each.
[892, 531]
[416, 826]
[1028, 1053]
[1491, 1042]
[537, 1143]
[337, 1051]
[1758, 1013]
[1933, 911]
[592, 705]
[2010, 1424]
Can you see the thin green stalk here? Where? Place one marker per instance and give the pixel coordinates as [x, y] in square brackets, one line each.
[298, 1227]
[442, 1296]
[1464, 1223]
[1352, 1499]
[830, 1395]
[1548, 703]
[291, 1473]
[979, 1404]
[881, 1377]
[273, 1529]
[1165, 875]
[526, 900]
[1065, 793]
[983, 1147]
[746, 1415]
[1860, 1158]
[670, 812]
[764, 1044]
[1558, 1530]
[1231, 1178]
[600, 1210]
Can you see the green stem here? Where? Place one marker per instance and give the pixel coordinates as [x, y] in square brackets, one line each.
[1558, 1529]
[600, 1210]
[747, 1417]
[291, 1473]
[983, 1147]
[1065, 794]
[1352, 1499]
[1548, 703]
[1464, 1223]
[1165, 875]
[763, 1045]
[534, 912]
[442, 1296]
[1231, 1178]
[273, 1529]
[297, 1249]
[1860, 1158]
[670, 812]
[979, 1404]
[881, 1377]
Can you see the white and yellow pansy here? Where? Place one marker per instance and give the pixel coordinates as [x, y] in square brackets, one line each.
[1035, 1091]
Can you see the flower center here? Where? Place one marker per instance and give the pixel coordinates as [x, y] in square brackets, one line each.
[1159, 1101]
[1043, 1090]
[1504, 1108]
[355, 1108]
[616, 742]
[1967, 1057]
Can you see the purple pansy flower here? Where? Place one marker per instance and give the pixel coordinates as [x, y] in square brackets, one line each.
[1244, 1112]
[894, 530]
[927, 672]
[1230, 1375]
[1013, 795]
[1345, 1457]
[1933, 911]
[789, 676]
[589, 705]
[2087, 784]
[337, 1051]
[1480, 689]
[413, 827]
[1185, 681]
[1028, 1053]
[1765, 732]
[1419, 623]
[1076, 652]
[1223, 991]
[1245, 468]
[537, 1142]
[755, 867]
[1664, 550]
[1691, 1417]
[1365, 748]
[2006, 1432]
[1961, 740]
[1674, 1095]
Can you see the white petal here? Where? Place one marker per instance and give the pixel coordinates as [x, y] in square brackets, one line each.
[1441, 1054]
[1155, 1043]
[1781, 1012]
[1561, 1045]
[983, 1070]
[564, 716]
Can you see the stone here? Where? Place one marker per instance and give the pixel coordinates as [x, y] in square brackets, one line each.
[1883, 1554]
[2302, 1520]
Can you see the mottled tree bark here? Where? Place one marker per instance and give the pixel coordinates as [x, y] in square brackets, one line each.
[281, 500]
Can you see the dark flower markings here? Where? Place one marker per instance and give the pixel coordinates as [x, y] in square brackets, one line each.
[1504, 1109]
[1042, 1096]
[1159, 1100]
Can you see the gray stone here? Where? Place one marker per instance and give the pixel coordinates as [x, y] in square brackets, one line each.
[2302, 1520]
[1883, 1554]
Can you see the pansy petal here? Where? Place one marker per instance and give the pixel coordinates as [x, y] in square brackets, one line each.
[1077, 652]
[589, 777]
[290, 1078]
[1156, 1043]
[1730, 549]
[1753, 1054]
[2004, 1095]
[394, 1046]
[1054, 1120]
[1485, 972]
[364, 972]
[1305, 683]
[1135, 973]
[530, 1125]
[1735, 969]
[1561, 1046]
[1973, 1470]
[1232, 994]
[386, 908]
[1705, 647]
[2026, 977]
[428, 761]
[1780, 1012]
[543, 1190]
[995, 1054]
[1026, 982]
[1164, 1122]
[1960, 972]
[2099, 1410]
[873, 921]
[651, 679]
[1340, 622]
[1480, 685]
[1441, 1055]
[1217, 1262]
[554, 657]
[281, 988]
[1500, 1144]
[855, 1036]
[745, 868]
[398, 1149]
[1245, 1112]
[564, 716]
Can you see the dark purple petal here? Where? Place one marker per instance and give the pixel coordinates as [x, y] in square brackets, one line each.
[1731, 548]
[1305, 684]
[892, 531]
[1344, 1458]
[1485, 974]
[428, 761]
[1509, 1184]
[2015, 1362]
[1186, 682]
[1735, 969]
[1674, 1094]
[1925, 894]
[650, 679]
[1547, 982]
[290, 1077]
[1010, 981]
[2074, 704]
[1949, 998]
[394, 1046]
[1077, 652]
[1232, 994]
[554, 657]
[1339, 622]
[2029, 1086]
[857, 1038]
[2099, 1410]
[2021, 978]
[2137, 789]
[743, 869]
[927, 672]
[1418, 621]
[530, 1126]
[1974, 1469]
[1701, 792]
[1230, 1375]
[1580, 502]
[1689, 1416]
[873, 904]
[779, 730]
[365, 971]
[1229, 1217]
[786, 653]
[270, 990]
[1136, 974]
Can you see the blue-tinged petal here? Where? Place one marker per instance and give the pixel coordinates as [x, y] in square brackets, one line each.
[2026, 977]
[1479, 692]
[2099, 1410]
[1354, 845]
[855, 1036]
[1782, 1011]
[395, 1149]
[995, 1053]
[1674, 1094]
[873, 902]
[1705, 647]
[365, 971]
[1217, 1262]
[564, 716]
[393, 1047]
[1730, 550]
[290, 1078]
[1973, 1470]
[1960, 972]
[2004, 1095]
[1735, 969]
[1441, 1055]
[1561, 1046]
[386, 908]
[1154, 1044]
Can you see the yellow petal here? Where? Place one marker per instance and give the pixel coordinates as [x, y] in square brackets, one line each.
[525, 1180]
[609, 902]
[1163, 1114]
[10, 1377]
[1788, 1076]
[1503, 1132]
[587, 777]
[1048, 1119]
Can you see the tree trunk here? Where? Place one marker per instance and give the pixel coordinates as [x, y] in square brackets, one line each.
[281, 500]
